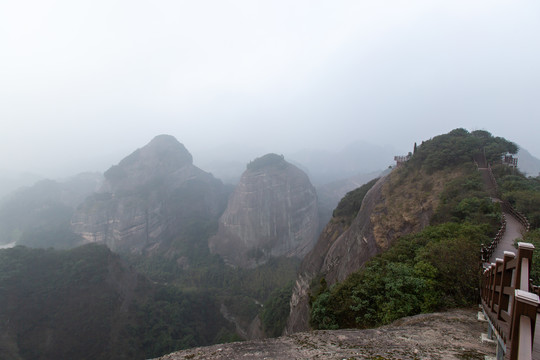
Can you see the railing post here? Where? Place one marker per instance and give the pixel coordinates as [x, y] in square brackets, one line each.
[497, 288]
[506, 294]
[523, 324]
[491, 288]
[523, 268]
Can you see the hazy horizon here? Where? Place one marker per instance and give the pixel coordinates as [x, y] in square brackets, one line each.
[84, 84]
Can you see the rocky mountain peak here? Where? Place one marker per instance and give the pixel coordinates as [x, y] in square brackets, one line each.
[160, 157]
[153, 195]
[272, 212]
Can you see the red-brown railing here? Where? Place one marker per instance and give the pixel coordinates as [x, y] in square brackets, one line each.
[508, 303]
[506, 206]
[488, 250]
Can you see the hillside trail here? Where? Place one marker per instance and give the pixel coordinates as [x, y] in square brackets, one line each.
[514, 229]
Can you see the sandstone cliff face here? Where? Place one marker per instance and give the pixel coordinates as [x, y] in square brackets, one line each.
[272, 212]
[339, 252]
[398, 204]
[149, 198]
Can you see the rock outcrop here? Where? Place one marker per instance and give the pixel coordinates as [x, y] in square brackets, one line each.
[396, 205]
[272, 212]
[452, 335]
[152, 197]
[339, 251]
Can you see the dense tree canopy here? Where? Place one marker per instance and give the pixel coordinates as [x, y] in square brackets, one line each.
[460, 146]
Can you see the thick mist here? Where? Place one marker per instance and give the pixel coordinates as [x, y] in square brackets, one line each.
[85, 83]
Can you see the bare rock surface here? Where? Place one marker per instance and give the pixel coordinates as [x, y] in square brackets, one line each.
[152, 196]
[450, 335]
[340, 251]
[272, 212]
[396, 205]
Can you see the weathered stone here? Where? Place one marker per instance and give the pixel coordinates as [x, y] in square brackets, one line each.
[339, 252]
[452, 335]
[395, 206]
[149, 198]
[272, 212]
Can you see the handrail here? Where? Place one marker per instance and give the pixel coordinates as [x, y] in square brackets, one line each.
[519, 216]
[505, 204]
[508, 303]
[508, 298]
[488, 250]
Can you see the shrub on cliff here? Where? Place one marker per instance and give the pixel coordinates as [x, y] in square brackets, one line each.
[432, 270]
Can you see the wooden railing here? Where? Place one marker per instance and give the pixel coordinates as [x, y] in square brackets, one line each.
[509, 305]
[506, 206]
[509, 301]
[488, 250]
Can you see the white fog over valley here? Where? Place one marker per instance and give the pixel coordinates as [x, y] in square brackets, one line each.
[85, 83]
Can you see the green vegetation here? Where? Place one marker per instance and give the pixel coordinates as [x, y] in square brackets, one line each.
[241, 290]
[533, 237]
[524, 195]
[350, 204]
[521, 192]
[276, 310]
[431, 270]
[88, 305]
[436, 268]
[266, 160]
[458, 147]
[464, 199]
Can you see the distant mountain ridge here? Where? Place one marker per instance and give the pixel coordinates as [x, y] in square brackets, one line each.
[322, 166]
[528, 164]
[355, 158]
[40, 215]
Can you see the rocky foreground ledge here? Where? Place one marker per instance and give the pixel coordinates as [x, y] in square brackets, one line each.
[450, 335]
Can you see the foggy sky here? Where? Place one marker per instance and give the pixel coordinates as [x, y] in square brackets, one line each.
[84, 83]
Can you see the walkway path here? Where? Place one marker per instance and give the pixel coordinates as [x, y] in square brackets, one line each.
[513, 231]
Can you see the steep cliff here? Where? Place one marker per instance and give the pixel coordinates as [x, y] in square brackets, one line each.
[397, 204]
[152, 197]
[272, 212]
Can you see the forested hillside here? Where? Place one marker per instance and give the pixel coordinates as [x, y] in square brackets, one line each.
[435, 268]
[85, 304]
[40, 215]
